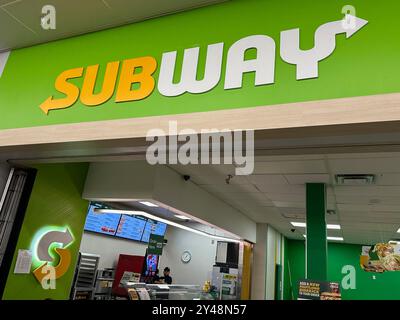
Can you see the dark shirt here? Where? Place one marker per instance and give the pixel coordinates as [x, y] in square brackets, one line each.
[155, 278]
[167, 279]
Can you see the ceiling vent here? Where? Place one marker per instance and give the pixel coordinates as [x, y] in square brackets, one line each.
[355, 179]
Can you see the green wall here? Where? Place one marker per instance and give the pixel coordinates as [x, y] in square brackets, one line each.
[56, 200]
[384, 286]
[365, 64]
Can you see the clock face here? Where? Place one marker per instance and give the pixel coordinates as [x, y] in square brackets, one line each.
[186, 256]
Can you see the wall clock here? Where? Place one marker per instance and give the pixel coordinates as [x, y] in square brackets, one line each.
[186, 256]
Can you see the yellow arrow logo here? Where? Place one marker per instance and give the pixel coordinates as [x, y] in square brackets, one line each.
[62, 85]
[60, 269]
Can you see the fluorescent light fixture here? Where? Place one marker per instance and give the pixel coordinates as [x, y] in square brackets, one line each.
[393, 242]
[148, 203]
[328, 226]
[182, 217]
[330, 238]
[171, 223]
[335, 238]
[299, 224]
[398, 230]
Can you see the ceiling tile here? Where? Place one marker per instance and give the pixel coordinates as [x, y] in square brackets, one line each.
[290, 204]
[286, 197]
[133, 10]
[367, 207]
[368, 200]
[295, 157]
[11, 29]
[256, 198]
[283, 189]
[262, 214]
[205, 169]
[290, 167]
[368, 226]
[218, 179]
[363, 155]
[371, 191]
[270, 179]
[364, 165]
[307, 178]
[70, 19]
[73, 19]
[388, 179]
[228, 188]
[5, 3]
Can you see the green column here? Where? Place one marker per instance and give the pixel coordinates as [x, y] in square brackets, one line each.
[316, 242]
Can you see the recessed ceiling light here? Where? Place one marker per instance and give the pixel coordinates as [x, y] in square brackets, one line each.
[149, 204]
[299, 224]
[182, 217]
[328, 226]
[335, 238]
[330, 238]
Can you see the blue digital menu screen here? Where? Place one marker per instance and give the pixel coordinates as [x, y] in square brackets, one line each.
[105, 223]
[131, 227]
[153, 227]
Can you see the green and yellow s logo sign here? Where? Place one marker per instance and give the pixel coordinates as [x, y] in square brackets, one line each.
[50, 248]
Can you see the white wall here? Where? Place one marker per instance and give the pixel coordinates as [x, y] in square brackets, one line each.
[273, 258]
[266, 254]
[109, 248]
[258, 274]
[197, 271]
[203, 250]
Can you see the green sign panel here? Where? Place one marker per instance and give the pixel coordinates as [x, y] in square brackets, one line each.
[247, 54]
[155, 244]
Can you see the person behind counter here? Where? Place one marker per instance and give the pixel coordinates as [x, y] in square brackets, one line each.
[166, 278]
[156, 277]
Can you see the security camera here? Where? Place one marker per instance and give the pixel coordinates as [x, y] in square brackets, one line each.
[293, 230]
[186, 177]
[228, 179]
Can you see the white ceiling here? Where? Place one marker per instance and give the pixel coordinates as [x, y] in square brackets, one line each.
[20, 19]
[275, 192]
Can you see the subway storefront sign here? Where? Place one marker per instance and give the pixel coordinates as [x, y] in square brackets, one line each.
[238, 54]
[263, 65]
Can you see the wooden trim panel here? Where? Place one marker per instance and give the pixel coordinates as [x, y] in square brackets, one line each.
[357, 110]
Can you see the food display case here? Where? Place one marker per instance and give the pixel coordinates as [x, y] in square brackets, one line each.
[143, 291]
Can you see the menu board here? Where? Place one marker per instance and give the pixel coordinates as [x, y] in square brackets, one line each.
[318, 290]
[131, 227]
[105, 223]
[123, 226]
[153, 227]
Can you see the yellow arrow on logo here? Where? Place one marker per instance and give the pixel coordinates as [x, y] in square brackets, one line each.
[69, 89]
[60, 269]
